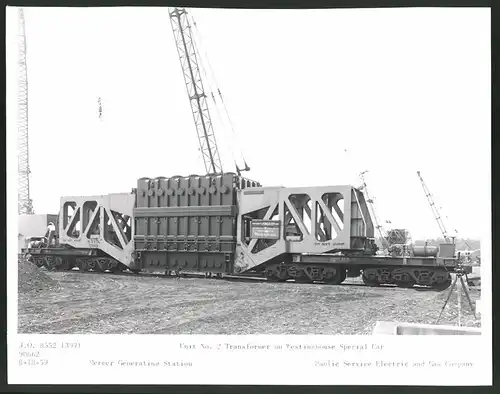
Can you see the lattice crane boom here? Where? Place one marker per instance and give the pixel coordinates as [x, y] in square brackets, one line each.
[25, 204]
[190, 68]
[374, 213]
[434, 209]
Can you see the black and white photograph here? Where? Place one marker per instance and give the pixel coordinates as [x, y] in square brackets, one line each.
[318, 179]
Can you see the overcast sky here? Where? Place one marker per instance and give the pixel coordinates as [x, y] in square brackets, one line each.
[315, 97]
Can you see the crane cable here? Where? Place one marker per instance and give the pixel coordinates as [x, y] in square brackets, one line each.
[231, 125]
[199, 44]
[210, 87]
[371, 202]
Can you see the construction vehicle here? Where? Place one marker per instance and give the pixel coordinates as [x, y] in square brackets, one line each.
[395, 242]
[225, 224]
[465, 256]
[32, 226]
[398, 242]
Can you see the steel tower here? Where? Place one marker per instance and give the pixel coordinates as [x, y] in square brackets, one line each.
[23, 167]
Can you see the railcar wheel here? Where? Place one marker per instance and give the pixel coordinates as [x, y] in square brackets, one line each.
[61, 264]
[405, 285]
[269, 274]
[272, 276]
[50, 263]
[404, 280]
[304, 278]
[39, 262]
[93, 264]
[281, 273]
[315, 273]
[370, 279]
[338, 277]
[82, 265]
[441, 285]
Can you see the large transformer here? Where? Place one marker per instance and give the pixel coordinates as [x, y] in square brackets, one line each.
[187, 223]
[226, 224]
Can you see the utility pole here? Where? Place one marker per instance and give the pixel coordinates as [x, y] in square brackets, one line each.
[25, 204]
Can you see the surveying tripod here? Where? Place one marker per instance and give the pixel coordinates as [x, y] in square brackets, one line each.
[459, 274]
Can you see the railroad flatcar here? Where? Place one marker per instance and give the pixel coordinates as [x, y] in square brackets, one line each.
[225, 224]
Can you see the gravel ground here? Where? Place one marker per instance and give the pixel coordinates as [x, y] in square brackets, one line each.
[112, 304]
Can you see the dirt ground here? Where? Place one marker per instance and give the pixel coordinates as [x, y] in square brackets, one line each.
[112, 304]
[32, 279]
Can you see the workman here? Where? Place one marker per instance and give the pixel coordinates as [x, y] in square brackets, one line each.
[51, 232]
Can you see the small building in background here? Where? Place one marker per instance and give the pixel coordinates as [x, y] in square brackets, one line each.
[32, 226]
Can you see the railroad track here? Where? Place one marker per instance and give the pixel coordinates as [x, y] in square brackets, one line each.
[164, 276]
[229, 278]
